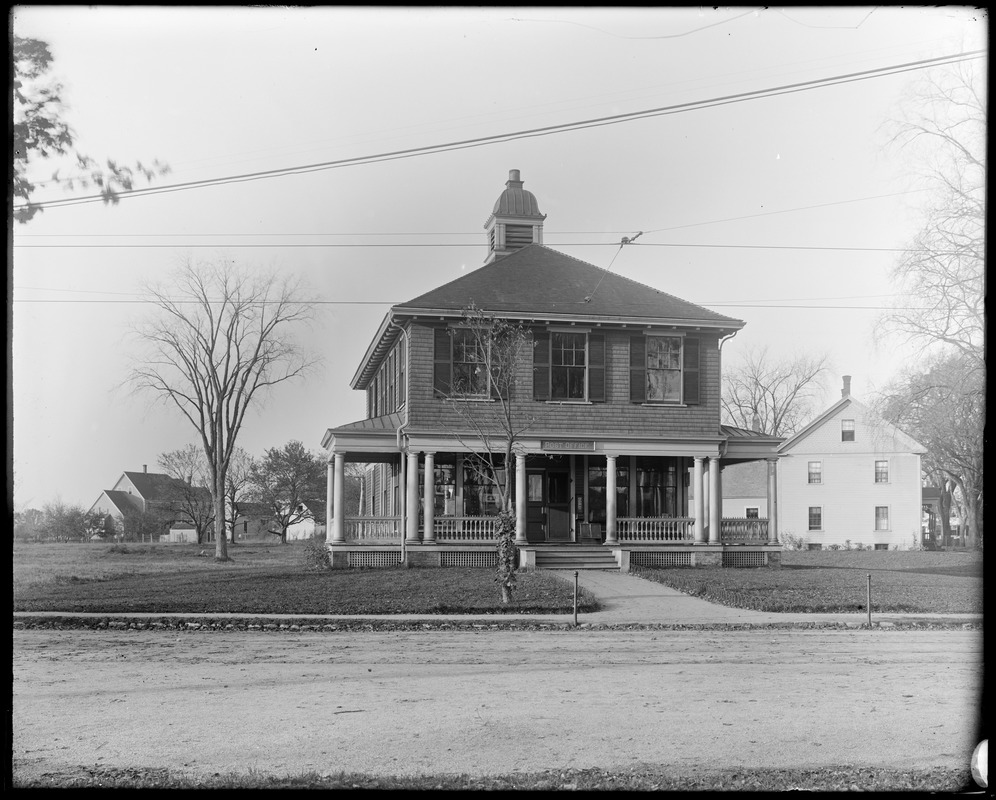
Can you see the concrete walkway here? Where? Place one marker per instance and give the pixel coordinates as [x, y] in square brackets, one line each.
[626, 600]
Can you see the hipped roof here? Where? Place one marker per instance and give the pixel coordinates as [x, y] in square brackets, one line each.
[537, 283]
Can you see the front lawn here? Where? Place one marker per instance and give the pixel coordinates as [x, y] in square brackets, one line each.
[263, 579]
[837, 581]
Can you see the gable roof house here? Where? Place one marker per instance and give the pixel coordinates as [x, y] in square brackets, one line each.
[138, 497]
[618, 399]
[851, 478]
[310, 526]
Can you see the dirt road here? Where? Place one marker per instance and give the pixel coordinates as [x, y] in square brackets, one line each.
[492, 702]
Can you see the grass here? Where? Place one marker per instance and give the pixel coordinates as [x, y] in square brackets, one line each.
[837, 581]
[273, 579]
[637, 778]
[262, 579]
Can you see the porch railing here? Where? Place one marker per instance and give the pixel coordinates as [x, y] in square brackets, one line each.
[741, 529]
[464, 529]
[372, 529]
[655, 529]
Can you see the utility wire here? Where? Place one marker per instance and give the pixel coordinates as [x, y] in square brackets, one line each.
[292, 245]
[530, 133]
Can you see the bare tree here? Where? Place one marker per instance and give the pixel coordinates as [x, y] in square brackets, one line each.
[356, 483]
[220, 340]
[941, 276]
[776, 397]
[286, 479]
[489, 354]
[189, 498]
[943, 407]
[238, 485]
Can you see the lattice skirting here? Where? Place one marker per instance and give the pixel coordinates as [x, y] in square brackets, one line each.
[749, 559]
[375, 559]
[661, 559]
[488, 558]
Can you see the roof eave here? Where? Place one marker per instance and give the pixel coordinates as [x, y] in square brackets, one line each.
[728, 323]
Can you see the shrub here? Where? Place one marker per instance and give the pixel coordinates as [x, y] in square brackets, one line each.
[316, 555]
[792, 542]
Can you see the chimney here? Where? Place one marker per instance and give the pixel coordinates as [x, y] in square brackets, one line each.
[145, 468]
[846, 391]
[756, 423]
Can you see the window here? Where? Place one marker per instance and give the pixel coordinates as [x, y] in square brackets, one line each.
[568, 359]
[881, 547]
[568, 366]
[480, 496]
[816, 518]
[847, 430]
[597, 488]
[752, 512]
[444, 479]
[664, 369]
[470, 363]
[460, 363]
[656, 487]
[816, 472]
[881, 518]
[881, 472]
[814, 546]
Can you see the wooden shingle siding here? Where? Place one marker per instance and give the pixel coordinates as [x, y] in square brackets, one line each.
[617, 415]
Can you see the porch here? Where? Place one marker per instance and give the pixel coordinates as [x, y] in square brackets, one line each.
[640, 541]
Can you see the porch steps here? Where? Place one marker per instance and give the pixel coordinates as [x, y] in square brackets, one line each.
[576, 558]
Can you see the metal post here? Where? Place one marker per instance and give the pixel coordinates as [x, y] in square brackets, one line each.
[869, 599]
[575, 598]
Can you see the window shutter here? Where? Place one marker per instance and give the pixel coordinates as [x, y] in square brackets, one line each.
[596, 367]
[692, 383]
[541, 365]
[637, 369]
[442, 364]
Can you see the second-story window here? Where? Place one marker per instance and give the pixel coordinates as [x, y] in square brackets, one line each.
[568, 365]
[664, 369]
[815, 472]
[881, 472]
[460, 363]
[470, 363]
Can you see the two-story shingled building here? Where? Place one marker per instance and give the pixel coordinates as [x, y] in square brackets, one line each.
[618, 404]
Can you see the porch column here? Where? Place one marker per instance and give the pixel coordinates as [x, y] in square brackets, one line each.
[698, 490]
[411, 505]
[329, 499]
[338, 500]
[772, 501]
[610, 500]
[520, 499]
[429, 492]
[715, 503]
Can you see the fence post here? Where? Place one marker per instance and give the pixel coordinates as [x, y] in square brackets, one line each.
[575, 598]
[869, 600]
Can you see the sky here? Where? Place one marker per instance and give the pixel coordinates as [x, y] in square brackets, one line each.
[786, 210]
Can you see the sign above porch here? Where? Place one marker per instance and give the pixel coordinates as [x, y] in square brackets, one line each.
[569, 445]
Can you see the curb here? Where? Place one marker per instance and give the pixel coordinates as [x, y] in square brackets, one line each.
[269, 625]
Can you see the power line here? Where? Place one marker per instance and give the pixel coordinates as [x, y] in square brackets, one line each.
[530, 133]
[140, 301]
[294, 245]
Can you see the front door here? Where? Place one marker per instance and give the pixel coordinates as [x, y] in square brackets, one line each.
[548, 505]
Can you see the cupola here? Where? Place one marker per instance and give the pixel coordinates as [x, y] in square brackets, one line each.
[515, 222]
